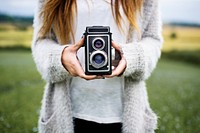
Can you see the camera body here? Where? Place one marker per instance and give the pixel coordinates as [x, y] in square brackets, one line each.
[98, 60]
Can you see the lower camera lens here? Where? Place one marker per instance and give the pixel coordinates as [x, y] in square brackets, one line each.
[98, 43]
[98, 59]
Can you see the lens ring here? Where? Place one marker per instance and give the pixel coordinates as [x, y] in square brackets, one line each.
[94, 64]
[98, 39]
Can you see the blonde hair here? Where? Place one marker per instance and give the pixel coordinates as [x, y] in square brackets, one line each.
[58, 16]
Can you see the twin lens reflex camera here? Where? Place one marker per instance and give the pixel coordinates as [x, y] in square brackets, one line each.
[98, 50]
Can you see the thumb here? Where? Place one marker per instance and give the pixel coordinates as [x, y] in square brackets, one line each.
[79, 44]
[116, 46]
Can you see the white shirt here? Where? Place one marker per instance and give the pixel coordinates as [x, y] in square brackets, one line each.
[99, 100]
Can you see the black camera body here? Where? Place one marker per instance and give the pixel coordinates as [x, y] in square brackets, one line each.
[98, 56]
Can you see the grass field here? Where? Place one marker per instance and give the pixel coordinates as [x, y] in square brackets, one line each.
[11, 35]
[187, 38]
[20, 93]
[174, 90]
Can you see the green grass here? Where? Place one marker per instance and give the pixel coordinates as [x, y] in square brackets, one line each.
[174, 94]
[192, 57]
[174, 91]
[20, 93]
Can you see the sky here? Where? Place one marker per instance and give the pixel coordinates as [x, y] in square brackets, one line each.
[171, 10]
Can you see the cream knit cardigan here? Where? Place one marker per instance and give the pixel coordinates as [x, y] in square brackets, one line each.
[141, 54]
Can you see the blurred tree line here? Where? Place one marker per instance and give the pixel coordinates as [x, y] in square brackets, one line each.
[22, 23]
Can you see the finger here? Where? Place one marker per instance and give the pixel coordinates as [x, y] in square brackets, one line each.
[100, 77]
[79, 44]
[118, 70]
[116, 46]
[89, 77]
[80, 72]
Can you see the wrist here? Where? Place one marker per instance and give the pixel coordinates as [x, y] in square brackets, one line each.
[63, 56]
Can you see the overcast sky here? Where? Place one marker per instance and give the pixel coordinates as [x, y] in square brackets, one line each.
[172, 10]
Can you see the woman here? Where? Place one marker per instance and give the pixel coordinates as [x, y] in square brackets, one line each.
[75, 102]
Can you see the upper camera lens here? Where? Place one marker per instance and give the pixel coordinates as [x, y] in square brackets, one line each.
[98, 43]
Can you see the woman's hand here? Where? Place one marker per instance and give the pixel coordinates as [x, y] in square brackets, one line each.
[71, 62]
[120, 68]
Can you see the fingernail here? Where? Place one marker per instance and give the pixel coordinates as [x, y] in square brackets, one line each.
[83, 36]
[99, 77]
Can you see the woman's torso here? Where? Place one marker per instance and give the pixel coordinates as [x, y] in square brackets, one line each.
[97, 100]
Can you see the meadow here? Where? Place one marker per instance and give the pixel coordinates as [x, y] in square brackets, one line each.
[12, 35]
[181, 38]
[173, 88]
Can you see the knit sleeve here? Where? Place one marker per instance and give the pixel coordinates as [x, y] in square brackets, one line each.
[142, 56]
[47, 53]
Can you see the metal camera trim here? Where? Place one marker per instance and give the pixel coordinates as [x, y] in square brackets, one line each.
[97, 65]
[89, 54]
[98, 38]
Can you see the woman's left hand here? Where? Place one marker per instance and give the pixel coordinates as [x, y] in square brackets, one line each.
[120, 68]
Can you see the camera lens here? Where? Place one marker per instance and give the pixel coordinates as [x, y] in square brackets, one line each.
[98, 43]
[98, 59]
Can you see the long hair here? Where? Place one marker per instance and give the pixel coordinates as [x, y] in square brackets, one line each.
[58, 17]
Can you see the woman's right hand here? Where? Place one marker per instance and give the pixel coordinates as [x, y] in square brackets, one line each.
[71, 62]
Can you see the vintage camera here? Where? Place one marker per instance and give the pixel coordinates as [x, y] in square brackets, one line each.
[98, 50]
